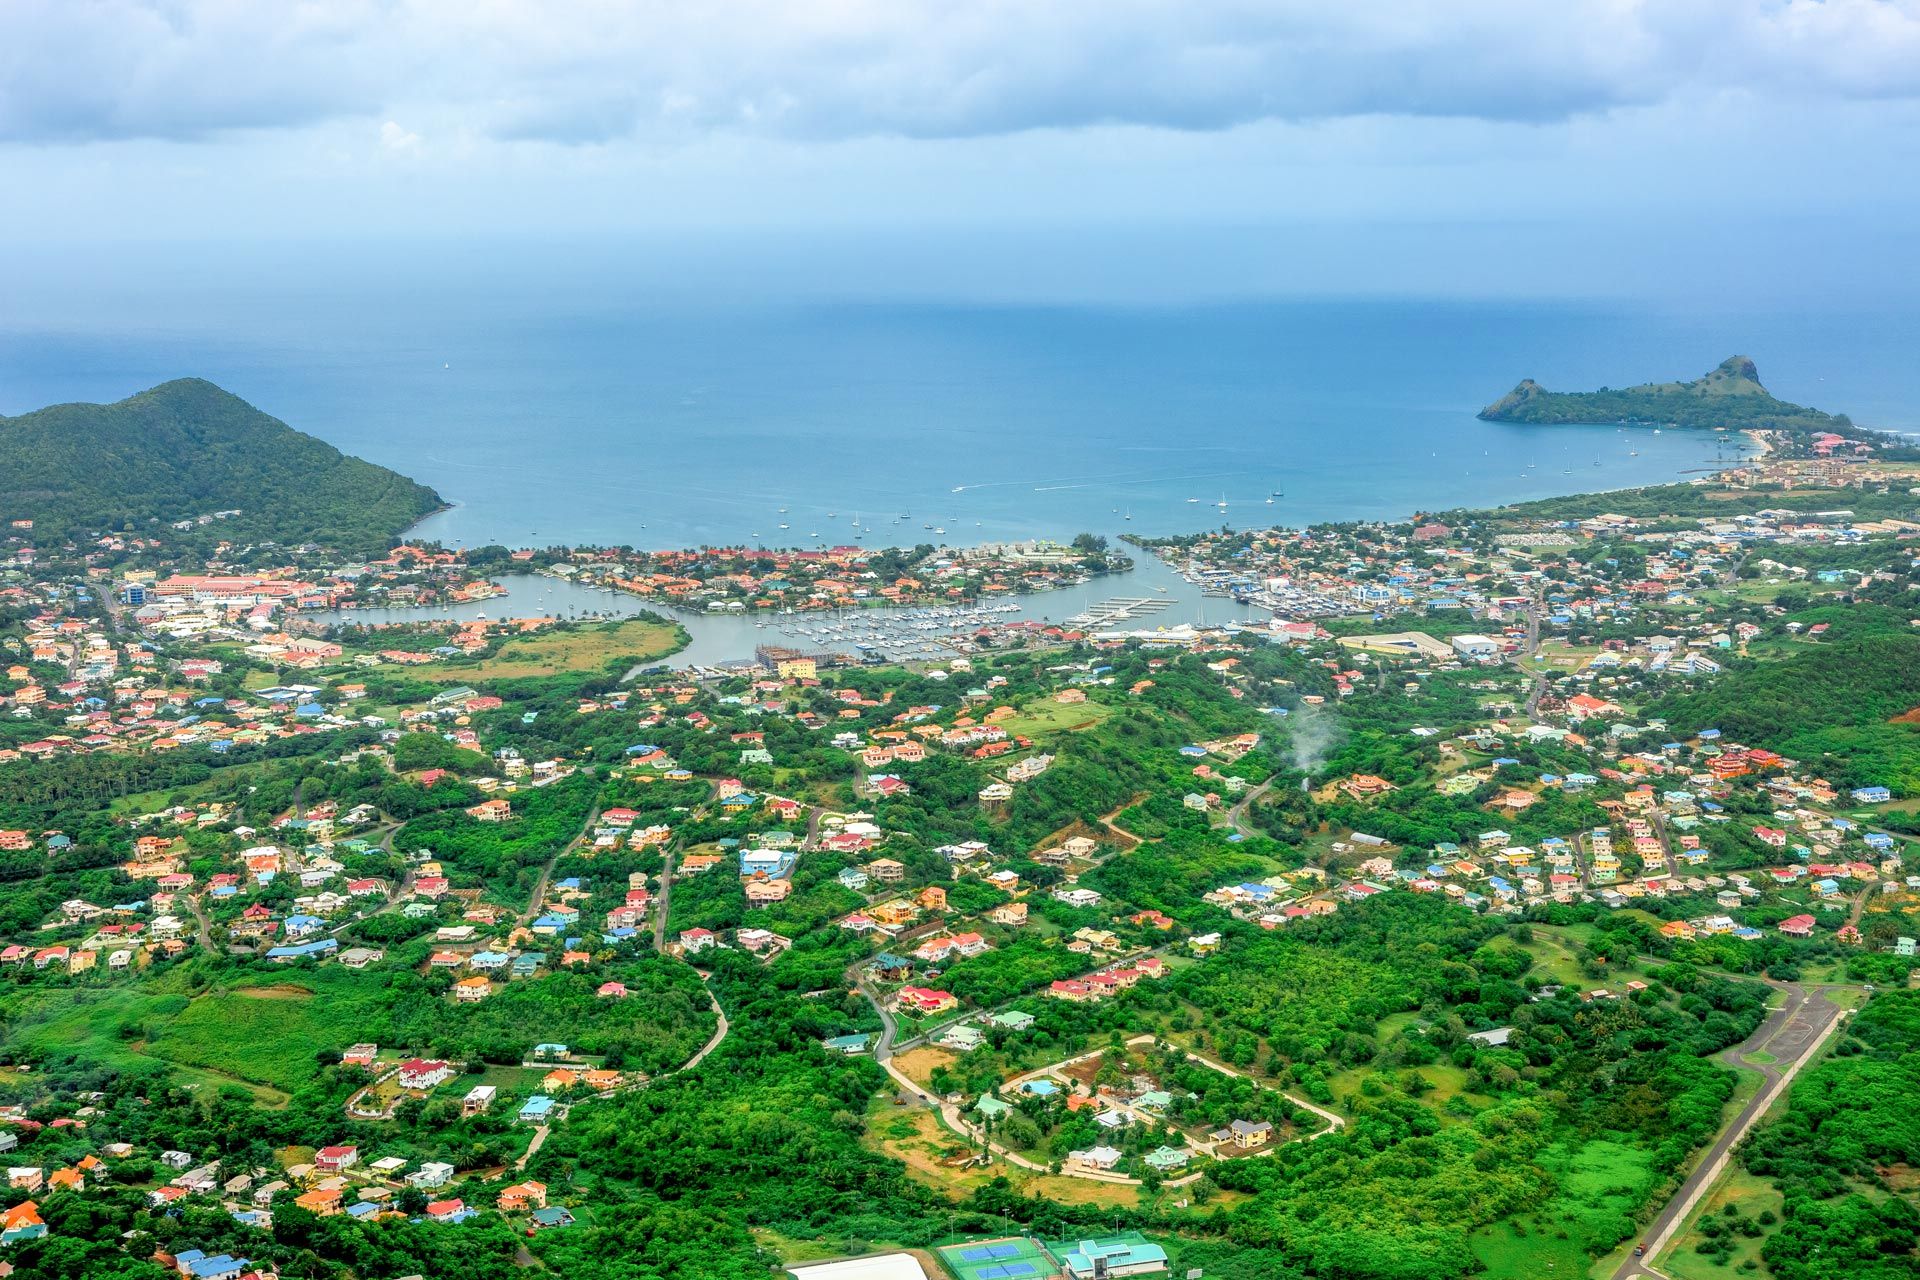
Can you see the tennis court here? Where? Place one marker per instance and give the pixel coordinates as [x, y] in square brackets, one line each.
[1016, 1258]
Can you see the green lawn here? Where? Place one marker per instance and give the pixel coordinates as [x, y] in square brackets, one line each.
[1046, 716]
[1508, 1254]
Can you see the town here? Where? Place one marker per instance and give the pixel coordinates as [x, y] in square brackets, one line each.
[1102, 948]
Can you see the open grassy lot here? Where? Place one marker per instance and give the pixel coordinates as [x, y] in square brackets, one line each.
[1046, 716]
[575, 648]
[262, 1036]
[1601, 1183]
[265, 1034]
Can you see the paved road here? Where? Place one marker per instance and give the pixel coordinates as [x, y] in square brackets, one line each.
[1237, 816]
[666, 900]
[538, 897]
[1790, 1034]
[719, 1034]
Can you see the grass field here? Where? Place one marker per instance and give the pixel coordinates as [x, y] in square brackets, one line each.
[1043, 717]
[1601, 1185]
[262, 1037]
[268, 1035]
[1508, 1254]
[577, 648]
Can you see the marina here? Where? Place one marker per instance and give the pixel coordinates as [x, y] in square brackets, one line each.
[876, 633]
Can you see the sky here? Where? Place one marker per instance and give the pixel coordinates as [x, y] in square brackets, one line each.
[1131, 148]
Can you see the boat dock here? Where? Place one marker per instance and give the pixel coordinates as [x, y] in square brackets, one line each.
[1120, 609]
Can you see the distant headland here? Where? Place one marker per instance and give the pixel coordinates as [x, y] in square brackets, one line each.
[1730, 397]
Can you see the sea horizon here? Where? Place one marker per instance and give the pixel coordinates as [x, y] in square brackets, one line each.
[588, 420]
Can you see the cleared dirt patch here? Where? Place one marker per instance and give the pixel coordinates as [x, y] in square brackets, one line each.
[918, 1064]
[279, 991]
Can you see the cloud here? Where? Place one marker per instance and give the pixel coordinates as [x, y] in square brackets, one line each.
[395, 138]
[597, 70]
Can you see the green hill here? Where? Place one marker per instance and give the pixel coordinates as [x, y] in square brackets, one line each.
[1730, 396]
[187, 449]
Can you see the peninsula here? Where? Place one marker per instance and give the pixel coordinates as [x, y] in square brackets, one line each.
[1731, 396]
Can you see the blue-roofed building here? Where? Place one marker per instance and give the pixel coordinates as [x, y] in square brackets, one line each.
[1123, 1255]
[362, 1209]
[299, 926]
[309, 710]
[551, 1216]
[304, 950]
[219, 1266]
[536, 1109]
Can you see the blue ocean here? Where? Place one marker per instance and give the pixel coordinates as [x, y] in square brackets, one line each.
[601, 414]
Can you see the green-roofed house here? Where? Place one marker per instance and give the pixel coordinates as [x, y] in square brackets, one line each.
[856, 1043]
[1154, 1100]
[1129, 1254]
[1167, 1159]
[991, 1107]
[1012, 1019]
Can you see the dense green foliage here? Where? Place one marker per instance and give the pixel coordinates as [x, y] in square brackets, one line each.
[1730, 396]
[187, 449]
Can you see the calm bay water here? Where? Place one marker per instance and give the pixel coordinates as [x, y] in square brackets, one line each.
[585, 416]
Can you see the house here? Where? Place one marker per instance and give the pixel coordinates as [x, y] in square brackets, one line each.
[322, 1202]
[1009, 913]
[336, 1159]
[1247, 1135]
[1797, 926]
[430, 1175]
[448, 1210]
[496, 810]
[424, 1073]
[925, 1002]
[196, 1265]
[551, 1216]
[536, 1110]
[1093, 1160]
[479, 1100]
[21, 1222]
[523, 1196]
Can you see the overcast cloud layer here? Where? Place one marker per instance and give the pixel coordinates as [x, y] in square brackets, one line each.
[75, 71]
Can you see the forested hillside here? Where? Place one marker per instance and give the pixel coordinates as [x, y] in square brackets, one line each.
[187, 449]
